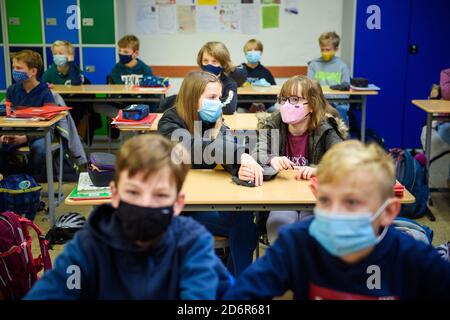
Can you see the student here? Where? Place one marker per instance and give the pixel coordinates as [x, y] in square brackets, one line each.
[329, 69]
[64, 71]
[443, 128]
[215, 58]
[307, 128]
[253, 50]
[126, 71]
[349, 250]
[197, 119]
[27, 91]
[139, 248]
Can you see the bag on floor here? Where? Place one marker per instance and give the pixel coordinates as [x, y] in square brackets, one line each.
[414, 177]
[18, 269]
[20, 193]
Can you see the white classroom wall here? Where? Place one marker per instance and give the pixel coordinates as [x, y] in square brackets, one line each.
[294, 43]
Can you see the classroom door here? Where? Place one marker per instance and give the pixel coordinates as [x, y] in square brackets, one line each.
[428, 54]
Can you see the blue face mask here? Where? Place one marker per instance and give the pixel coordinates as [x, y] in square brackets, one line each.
[60, 59]
[253, 57]
[342, 234]
[212, 69]
[19, 76]
[211, 110]
[125, 58]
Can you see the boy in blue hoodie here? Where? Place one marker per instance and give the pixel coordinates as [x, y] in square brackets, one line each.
[348, 250]
[139, 248]
[329, 69]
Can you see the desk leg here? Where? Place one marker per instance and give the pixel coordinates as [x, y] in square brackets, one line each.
[363, 118]
[49, 166]
[428, 139]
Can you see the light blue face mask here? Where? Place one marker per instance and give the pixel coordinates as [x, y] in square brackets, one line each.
[342, 234]
[253, 57]
[60, 59]
[211, 110]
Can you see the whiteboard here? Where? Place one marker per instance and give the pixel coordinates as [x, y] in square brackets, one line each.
[294, 43]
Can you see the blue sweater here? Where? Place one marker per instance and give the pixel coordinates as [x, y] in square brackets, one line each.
[182, 265]
[408, 269]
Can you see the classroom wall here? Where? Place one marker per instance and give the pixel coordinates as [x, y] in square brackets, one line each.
[293, 44]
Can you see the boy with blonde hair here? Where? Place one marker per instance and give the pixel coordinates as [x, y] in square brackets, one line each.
[330, 69]
[139, 248]
[348, 250]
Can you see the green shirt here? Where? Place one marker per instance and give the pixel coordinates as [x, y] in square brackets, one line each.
[74, 75]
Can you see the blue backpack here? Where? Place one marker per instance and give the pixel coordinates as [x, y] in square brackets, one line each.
[20, 193]
[413, 229]
[414, 177]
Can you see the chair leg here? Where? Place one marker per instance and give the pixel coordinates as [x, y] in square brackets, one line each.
[61, 168]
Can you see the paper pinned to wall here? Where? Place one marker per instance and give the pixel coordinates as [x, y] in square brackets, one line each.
[207, 2]
[186, 19]
[271, 16]
[229, 17]
[185, 2]
[146, 18]
[229, 1]
[290, 7]
[167, 19]
[270, 1]
[250, 18]
[208, 19]
[163, 2]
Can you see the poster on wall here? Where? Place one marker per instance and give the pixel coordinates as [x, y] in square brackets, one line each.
[186, 16]
[229, 18]
[250, 18]
[271, 16]
[167, 19]
[208, 19]
[290, 7]
[146, 18]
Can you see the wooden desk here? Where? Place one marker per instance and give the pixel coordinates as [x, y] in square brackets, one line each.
[212, 190]
[237, 121]
[337, 96]
[432, 108]
[110, 89]
[23, 127]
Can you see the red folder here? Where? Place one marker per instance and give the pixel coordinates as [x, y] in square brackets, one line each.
[45, 112]
[147, 120]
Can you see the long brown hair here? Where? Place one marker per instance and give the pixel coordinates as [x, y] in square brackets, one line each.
[312, 92]
[220, 52]
[192, 88]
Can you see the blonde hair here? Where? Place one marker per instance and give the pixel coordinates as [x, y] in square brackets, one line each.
[312, 92]
[220, 52]
[186, 103]
[149, 153]
[349, 156]
[64, 43]
[253, 43]
[330, 37]
[32, 59]
[129, 41]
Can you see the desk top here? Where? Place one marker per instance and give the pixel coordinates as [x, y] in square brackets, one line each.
[237, 121]
[106, 89]
[433, 106]
[274, 90]
[30, 124]
[204, 187]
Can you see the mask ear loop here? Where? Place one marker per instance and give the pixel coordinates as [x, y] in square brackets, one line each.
[377, 215]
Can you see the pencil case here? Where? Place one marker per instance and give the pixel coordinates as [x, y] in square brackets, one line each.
[154, 81]
[359, 82]
[101, 168]
[135, 112]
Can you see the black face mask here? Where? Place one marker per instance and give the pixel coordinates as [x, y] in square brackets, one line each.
[143, 223]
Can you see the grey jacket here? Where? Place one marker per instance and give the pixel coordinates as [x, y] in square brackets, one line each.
[330, 132]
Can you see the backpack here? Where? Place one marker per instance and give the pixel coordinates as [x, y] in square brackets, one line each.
[417, 231]
[414, 177]
[20, 193]
[18, 268]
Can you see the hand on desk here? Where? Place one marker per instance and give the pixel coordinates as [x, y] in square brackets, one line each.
[13, 139]
[250, 170]
[281, 163]
[305, 172]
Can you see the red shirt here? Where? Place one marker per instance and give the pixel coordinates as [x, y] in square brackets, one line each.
[297, 149]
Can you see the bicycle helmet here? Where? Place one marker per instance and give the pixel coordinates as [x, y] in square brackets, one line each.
[65, 228]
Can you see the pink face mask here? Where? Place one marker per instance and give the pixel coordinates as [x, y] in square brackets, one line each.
[292, 114]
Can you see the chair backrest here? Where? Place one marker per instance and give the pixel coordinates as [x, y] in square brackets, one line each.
[58, 99]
